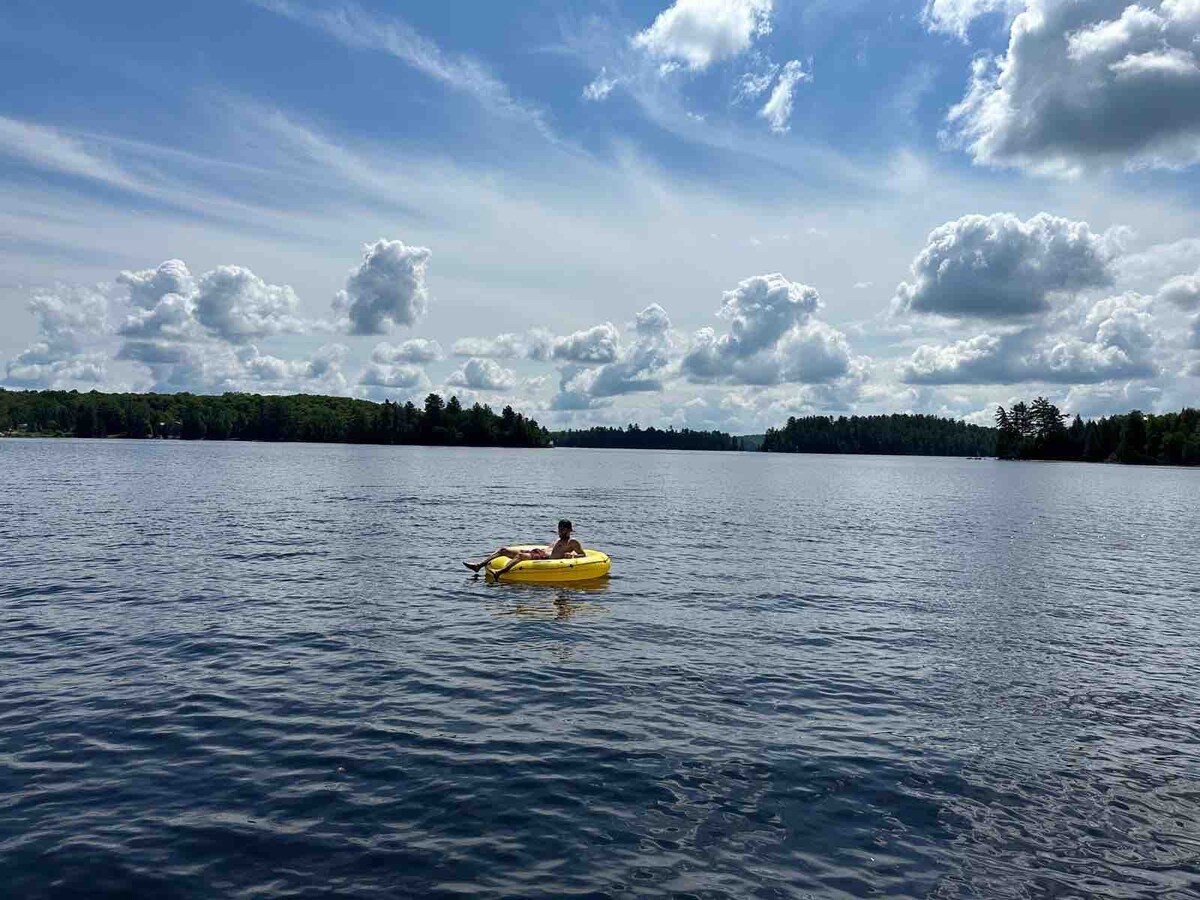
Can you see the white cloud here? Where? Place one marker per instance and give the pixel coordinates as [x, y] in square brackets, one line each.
[148, 286]
[1183, 291]
[236, 305]
[600, 87]
[955, 16]
[69, 321]
[502, 346]
[415, 350]
[37, 368]
[68, 317]
[761, 310]
[387, 288]
[322, 372]
[400, 377]
[1088, 84]
[778, 108]
[638, 368]
[757, 80]
[172, 317]
[998, 267]
[483, 375]
[698, 33]
[355, 27]
[1110, 339]
[596, 345]
[773, 339]
[50, 149]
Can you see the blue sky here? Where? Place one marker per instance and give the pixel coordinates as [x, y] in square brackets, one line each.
[713, 213]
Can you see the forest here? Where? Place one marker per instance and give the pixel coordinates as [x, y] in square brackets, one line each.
[1038, 430]
[637, 438]
[897, 434]
[253, 417]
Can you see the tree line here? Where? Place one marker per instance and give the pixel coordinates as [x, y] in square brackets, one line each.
[254, 417]
[636, 438]
[897, 434]
[1038, 430]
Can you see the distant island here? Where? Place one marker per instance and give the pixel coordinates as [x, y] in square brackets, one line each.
[634, 437]
[253, 417]
[1038, 431]
[894, 435]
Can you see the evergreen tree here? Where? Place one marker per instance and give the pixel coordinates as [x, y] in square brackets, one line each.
[1132, 447]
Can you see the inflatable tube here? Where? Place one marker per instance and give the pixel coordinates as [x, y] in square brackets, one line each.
[592, 565]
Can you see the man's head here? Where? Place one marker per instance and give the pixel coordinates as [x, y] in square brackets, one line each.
[564, 528]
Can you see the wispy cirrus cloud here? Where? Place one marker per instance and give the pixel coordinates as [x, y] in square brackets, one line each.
[51, 149]
[355, 27]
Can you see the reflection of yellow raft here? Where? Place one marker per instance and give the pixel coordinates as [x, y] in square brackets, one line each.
[593, 564]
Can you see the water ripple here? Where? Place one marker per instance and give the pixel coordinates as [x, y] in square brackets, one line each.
[256, 670]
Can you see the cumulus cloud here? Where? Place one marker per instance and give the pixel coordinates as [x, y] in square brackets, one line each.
[320, 372]
[1182, 291]
[1113, 339]
[38, 367]
[502, 346]
[760, 311]
[236, 305]
[483, 375]
[68, 317]
[539, 344]
[1088, 83]
[173, 316]
[215, 366]
[194, 333]
[536, 344]
[148, 286]
[399, 377]
[773, 338]
[778, 108]
[595, 345]
[698, 33]
[639, 367]
[69, 320]
[387, 289]
[998, 267]
[415, 350]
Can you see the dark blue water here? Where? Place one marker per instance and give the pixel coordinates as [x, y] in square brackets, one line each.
[255, 670]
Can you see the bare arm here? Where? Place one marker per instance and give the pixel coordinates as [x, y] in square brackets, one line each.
[574, 548]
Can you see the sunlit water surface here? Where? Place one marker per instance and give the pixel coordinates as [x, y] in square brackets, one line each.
[253, 670]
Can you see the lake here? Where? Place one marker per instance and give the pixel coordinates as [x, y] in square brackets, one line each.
[255, 670]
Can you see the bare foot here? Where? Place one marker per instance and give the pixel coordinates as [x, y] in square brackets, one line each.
[474, 567]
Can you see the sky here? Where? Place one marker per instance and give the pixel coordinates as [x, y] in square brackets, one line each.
[706, 213]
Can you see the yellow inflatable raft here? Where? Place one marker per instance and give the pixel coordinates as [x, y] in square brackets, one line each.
[592, 565]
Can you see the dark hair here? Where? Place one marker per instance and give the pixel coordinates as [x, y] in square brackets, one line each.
[565, 523]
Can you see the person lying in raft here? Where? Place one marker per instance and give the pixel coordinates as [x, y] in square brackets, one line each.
[566, 547]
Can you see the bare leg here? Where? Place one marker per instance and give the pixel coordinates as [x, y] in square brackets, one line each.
[475, 567]
[513, 560]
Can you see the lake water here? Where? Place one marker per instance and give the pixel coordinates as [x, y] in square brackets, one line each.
[255, 670]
